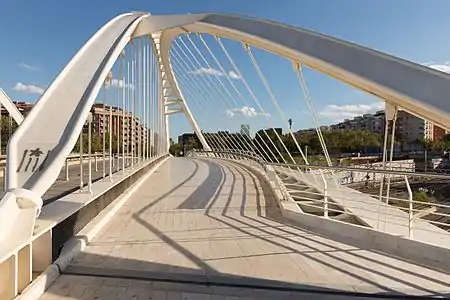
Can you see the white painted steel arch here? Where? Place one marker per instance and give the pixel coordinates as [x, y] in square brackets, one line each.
[10, 107]
[418, 89]
[415, 88]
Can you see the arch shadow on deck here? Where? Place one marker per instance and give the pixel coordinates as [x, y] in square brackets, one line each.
[213, 227]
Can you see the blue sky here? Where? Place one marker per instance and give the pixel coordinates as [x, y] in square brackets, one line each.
[40, 37]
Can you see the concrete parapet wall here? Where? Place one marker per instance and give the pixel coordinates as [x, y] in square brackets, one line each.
[367, 238]
[411, 250]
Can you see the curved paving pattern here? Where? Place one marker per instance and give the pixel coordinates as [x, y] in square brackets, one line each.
[208, 229]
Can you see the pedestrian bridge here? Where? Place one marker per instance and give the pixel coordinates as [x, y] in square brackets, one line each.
[217, 224]
[240, 215]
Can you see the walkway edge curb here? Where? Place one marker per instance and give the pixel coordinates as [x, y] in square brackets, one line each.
[78, 242]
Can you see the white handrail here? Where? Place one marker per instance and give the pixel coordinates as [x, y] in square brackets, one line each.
[348, 203]
[325, 196]
[410, 208]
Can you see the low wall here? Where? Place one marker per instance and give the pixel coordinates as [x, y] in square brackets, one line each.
[411, 250]
[73, 224]
[367, 238]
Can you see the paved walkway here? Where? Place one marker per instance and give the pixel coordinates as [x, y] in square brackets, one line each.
[205, 229]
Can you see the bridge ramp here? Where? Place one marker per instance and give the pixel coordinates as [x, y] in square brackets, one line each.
[213, 227]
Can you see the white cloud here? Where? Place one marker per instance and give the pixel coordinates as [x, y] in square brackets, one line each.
[28, 67]
[234, 75]
[28, 88]
[440, 67]
[245, 111]
[341, 112]
[215, 72]
[207, 71]
[229, 113]
[118, 83]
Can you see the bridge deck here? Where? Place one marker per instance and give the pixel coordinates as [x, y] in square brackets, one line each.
[205, 221]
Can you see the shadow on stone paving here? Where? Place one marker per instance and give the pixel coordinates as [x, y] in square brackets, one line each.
[104, 266]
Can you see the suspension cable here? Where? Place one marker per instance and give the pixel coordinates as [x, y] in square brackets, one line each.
[302, 82]
[182, 81]
[236, 69]
[235, 144]
[249, 147]
[275, 102]
[238, 93]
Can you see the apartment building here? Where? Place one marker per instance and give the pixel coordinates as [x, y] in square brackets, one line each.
[187, 138]
[23, 107]
[371, 122]
[313, 130]
[438, 133]
[245, 130]
[409, 128]
[120, 122]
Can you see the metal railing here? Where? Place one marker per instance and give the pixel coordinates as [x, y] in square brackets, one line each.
[57, 224]
[411, 204]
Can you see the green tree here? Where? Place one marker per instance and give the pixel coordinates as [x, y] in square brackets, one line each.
[427, 144]
[8, 127]
[97, 144]
[175, 149]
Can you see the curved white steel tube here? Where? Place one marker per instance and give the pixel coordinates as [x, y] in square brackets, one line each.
[415, 88]
[49, 140]
[10, 107]
[46, 140]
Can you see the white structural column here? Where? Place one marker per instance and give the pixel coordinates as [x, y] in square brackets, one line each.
[144, 100]
[167, 129]
[132, 101]
[124, 93]
[7, 103]
[104, 129]
[139, 100]
[171, 96]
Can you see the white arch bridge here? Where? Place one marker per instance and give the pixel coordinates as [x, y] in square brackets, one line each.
[243, 214]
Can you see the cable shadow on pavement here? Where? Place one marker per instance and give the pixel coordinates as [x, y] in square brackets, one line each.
[273, 214]
[236, 224]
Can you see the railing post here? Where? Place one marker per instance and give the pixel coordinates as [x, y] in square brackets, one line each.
[325, 195]
[81, 161]
[410, 209]
[4, 175]
[67, 169]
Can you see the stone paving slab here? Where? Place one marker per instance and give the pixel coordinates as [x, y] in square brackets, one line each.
[89, 287]
[185, 225]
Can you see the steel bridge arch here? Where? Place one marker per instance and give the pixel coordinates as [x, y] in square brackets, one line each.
[415, 88]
